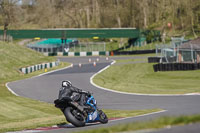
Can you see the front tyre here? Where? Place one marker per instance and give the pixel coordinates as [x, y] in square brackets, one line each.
[74, 117]
[102, 117]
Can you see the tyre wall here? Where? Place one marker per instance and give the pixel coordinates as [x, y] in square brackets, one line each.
[176, 66]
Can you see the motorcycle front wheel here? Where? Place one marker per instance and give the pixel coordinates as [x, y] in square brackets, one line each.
[74, 117]
[102, 117]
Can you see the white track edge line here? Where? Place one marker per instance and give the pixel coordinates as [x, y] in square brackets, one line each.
[127, 93]
[11, 90]
[34, 77]
[140, 115]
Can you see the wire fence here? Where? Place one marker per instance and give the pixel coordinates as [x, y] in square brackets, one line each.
[74, 46]
[7, 38]
[176, 52]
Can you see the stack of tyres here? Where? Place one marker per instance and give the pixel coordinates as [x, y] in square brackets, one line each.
[192, 66]
[178, 66]
[175, 67]
[169, 68]
[172, 66]
[181, 66]
[185, 66]
[195, 66]
[161, 67]
[198, 65]
[166, 67]
[155, 67]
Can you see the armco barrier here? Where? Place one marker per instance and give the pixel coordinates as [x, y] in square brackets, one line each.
[163, 59]
[134, 52]
[97, 53]
[154, 59]
[93, 53]
[176, 66]
[30, 69]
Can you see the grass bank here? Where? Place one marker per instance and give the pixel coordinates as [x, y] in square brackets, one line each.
[140, 78]
[18, 113]
[162, 122]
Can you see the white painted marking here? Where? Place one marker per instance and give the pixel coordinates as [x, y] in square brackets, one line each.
[11, 90]
[66, 50]
[79, 65]
[35, 77]
[191, 94]
[140, 115]
[27, 131]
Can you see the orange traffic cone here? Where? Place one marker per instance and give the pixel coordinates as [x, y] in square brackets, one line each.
[89, 60]
[94, 64]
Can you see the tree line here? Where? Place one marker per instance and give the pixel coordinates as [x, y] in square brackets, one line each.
[176, 15]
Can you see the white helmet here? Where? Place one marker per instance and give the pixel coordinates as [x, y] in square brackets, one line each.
[66, 83]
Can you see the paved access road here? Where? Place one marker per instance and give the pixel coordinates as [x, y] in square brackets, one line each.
[45, 88]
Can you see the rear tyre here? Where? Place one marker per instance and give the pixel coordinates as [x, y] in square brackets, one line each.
[74, 117]
[103, 117]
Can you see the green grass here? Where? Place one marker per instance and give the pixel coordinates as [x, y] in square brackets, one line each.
[140, 78]
[144, 47]
[129, 60]
[128, 113]
[13, 57]
[110, 46]
[21, 113]
[17, 113]
[162, 122]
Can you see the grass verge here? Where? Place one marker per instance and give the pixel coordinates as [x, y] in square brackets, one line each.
[140, 78]
[128, 113]
[153, 124]
[47, 115]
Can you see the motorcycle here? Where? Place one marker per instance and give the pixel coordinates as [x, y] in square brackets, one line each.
[77, 114]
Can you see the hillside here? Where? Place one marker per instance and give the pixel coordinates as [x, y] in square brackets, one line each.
[17, 113]
[13, 57]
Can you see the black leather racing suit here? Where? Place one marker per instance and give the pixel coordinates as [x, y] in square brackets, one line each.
[69, 91]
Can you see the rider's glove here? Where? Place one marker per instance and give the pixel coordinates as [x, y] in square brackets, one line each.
[89, 94]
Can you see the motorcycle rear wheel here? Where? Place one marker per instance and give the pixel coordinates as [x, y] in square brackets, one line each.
[102, 117]
[74, 117]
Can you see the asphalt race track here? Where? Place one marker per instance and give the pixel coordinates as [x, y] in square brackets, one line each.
[45, 88]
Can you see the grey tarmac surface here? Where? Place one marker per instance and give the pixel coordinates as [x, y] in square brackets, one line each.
[45, 88]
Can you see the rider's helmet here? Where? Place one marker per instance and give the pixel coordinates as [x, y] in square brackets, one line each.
[66, 83]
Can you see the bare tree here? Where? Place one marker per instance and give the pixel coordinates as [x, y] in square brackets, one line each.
[8, 11]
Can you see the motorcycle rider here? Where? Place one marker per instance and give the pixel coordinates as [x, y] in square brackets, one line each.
[67, 90]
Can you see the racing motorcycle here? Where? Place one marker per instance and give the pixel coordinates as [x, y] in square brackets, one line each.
[77, 114]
